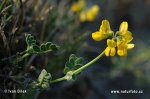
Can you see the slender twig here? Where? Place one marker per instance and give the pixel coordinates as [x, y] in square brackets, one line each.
[80, 69]
[88, 64]
[58, 80]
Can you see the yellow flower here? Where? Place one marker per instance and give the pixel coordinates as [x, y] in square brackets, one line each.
[89, 14]
[78, 6]
[85, 14]
[123, 46]
[103, 32]
[124, 33]
[121, 39]
[123, 42]
[92, 13]
[110, 50]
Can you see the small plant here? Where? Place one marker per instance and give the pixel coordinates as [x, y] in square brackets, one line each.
[121, 40]
[57, 34]
[74, 65]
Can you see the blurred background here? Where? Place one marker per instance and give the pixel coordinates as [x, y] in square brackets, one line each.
[55, 21]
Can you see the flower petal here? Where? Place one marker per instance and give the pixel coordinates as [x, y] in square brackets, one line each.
[92, 12]
[130, 46]
[123, 26]
[112, 52]
[111, 43]
[105, 26]
[122, 52]
[97, 36]
[95, 9]
[107, 51]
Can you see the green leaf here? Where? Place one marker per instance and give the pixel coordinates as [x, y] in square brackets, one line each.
[42, 75]
[36, 48]
[73, 64]
[33, 42]
[43, 80]
[43, 47]
[33, 48]
[48, 45]
[30, 39]
[79, 61]
[66, 70]
[54, 47]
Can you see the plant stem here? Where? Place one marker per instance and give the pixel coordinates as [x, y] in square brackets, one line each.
[88, 64]
[22, 57]
[58, 80]
[80, 69]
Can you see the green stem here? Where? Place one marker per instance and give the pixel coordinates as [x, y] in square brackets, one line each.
[80, 69]
[88, 64]
[24, 52]
[22, 57]
[58, 80]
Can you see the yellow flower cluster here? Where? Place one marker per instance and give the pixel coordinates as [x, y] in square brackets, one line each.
[120, 40]
[86, 14]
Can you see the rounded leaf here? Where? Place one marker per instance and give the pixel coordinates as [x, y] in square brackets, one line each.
[43, 47]
[36, 48]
